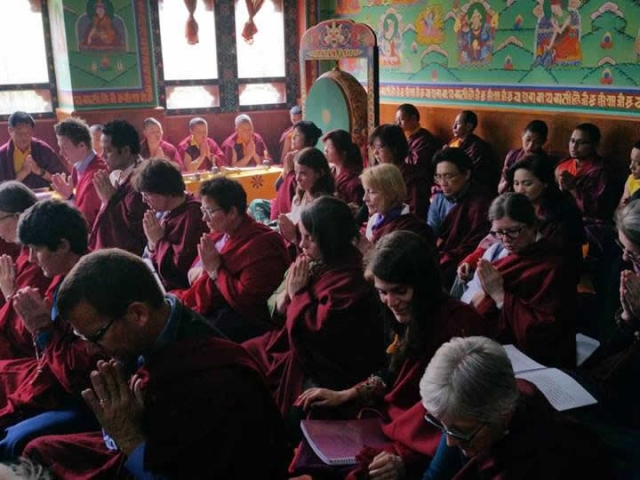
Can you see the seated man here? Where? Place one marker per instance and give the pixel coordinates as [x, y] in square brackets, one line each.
[198, 151]
[422, 143]
[26, 158]
[96, 133]
[242, 264]
[244, 148]
[119, 223]
[153, 146]
[74, 140]
[41, 394]
[179, 401]
[486, 170]
[295, 115]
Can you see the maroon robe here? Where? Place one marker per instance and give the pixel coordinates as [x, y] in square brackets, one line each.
[194, 152]
[284, 146]
[15, 339]
[538, 315]
[349, 188]
[231, 144]
[333, 336]
[408, 222]
[170, 152]
[176, 251]
[462, 229]
[119, 222]
[42, 154]
[254, 261]
[32, 385]
[284, 197]
[486, 170]
[86, 197]
[540, 444]
[422, 147]
[418, 188]
[208, 414]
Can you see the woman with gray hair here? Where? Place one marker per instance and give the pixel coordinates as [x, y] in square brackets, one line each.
[497, 427]
[522, 286]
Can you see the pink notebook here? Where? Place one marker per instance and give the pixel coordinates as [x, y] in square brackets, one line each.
[337, 442]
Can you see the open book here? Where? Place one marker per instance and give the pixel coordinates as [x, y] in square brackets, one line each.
[562, 391]
[337, 442]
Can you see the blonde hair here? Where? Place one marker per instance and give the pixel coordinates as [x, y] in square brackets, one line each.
[387, 179]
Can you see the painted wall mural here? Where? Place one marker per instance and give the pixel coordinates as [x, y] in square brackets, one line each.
[549, 54]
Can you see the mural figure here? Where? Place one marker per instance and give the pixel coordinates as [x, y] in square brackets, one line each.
[428, 26]
[475, 29]
[347, 7]
[390, 38]
[102, 31]
[558, 35]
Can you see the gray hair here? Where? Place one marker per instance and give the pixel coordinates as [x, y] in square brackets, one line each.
[470, 378]
[24, 470]
[628, 221]
[516, 206]
[243, 118]
[96, 128]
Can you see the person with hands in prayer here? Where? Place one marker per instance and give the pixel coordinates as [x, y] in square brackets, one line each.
[198, 151]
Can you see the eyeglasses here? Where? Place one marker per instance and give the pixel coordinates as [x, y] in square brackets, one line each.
[208, 212]
[455, 435]
[511, 233]
[444, 177]
[633, 257]
[378, 146]
[97, 336]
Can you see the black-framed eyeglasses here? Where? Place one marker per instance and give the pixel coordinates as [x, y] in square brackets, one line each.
[209, 211]
[461, 437]
[511, 233]
[445, 177]
[633, 257]
[97, 336]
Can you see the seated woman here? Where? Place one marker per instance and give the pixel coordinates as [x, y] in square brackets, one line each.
[458, 215]
[344, 157]
[15, 339]
[534, 137]
[173, 224]
[421, 317]
[314, 179]
[521, 286]
[495, 426]
[389, 145]
[333, 333]
[384, 193]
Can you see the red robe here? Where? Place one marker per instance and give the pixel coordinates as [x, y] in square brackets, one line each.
[418, 188]
[86, 198]
[231, 144]
[422, 147]
[333, 336]
[42, 154]
[194, 152]
[284, 197]
[349, 188]
[29, 386]
[178, 248]
[15, 339]
[540, 444]
[538, 315]
[408, 222]
[486, 170]
[170, 152]
[119, 223]
[208, 414]
[254, 261]
[463, 229]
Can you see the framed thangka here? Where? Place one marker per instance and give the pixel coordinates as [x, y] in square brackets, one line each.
[109, 52]
[566, 55]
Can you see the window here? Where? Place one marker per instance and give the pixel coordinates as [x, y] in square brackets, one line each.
[24, 71]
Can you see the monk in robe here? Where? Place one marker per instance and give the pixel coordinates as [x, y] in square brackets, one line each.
[41, 392]
[198, 151]
[244, 147]
[74, 140]
[26, 158]
[486, 171]
[458, 215]
[333, 332]
[422, 143]
[240, 264]
[154, 146]
[179, 401]
[96, 134]
[119, 222]
[344, 157]
[173, 224]
[390, 145]
[295, 115]
[15, 339]
[420, 321]
[522, 287]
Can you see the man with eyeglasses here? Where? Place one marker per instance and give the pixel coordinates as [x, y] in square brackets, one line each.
[176, 401]
[41, 391]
